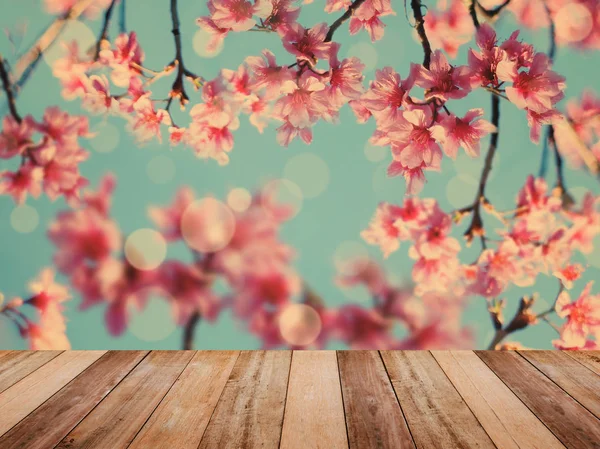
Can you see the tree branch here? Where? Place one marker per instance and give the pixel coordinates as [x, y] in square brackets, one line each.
[189, 330]
[8, 88]
[420, 27]
[28, 62]
[335, 25]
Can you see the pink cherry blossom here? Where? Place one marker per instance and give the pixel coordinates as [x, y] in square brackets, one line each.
[27, 180]
[466, 132]
[307, 45]
[236, 15]
[442, 80]
[147, 121]
[15, 136]
[582, 316]
[538, 89]
[267, 74]
[412, 142]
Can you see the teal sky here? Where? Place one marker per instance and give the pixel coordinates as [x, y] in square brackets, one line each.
[335, 217]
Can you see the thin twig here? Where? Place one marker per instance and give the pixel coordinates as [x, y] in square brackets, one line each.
[494, 11]
[189, 330]
[335, 25]
[178, 88]
[420, 27]
[123, 17]
[104, 32]
[476, 227]
[8, 88]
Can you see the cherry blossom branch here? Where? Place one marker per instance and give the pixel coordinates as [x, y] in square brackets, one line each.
[178, 88]
[335, 25]
[189, 330]
[476, 226]
[104, 32]
[420, 27]
[523, 318]
[29, 61]
[8, 88]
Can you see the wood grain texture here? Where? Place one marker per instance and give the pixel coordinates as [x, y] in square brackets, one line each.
[49, 423]
[30, 392]
[314, 411]
[507, 421]
[15, 365]
[181, 418]
[373, 416]
[566, 418]
[114, 423]
[591, 359]
[436, 413]
[250, 411]
[577, 380]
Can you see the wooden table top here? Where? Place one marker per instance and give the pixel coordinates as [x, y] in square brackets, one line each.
[299, 399]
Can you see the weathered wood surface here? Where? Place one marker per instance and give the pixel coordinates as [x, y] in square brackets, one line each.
[299, 399]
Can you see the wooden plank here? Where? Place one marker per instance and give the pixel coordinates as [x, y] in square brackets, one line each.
[578, 381]
[49, 423]
[181, 418]
[590, 359]
[507, 421]
[373, 415]
[115, 422]
[18, 364]
[314, 411]
[30, 392]
[435, 412]
[250, 411]
[565, 417]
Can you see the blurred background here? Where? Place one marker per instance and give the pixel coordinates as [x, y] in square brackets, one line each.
[340, 176]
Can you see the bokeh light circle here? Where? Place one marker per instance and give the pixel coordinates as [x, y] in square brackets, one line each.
[207, 225]
[200, 43]
[24, 219]
[309, 172]
[145, 249]
[155, 321]
[460, 190]
[366, 53]
[285, 192]
[375, 153]
[299, 324]
[73, 30]
[239, 200]
[160, 169]
[573, 22]
[106, 137]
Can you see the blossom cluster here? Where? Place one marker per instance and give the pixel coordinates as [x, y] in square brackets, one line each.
[49, 153]
[239, 247]
[576, 22]
[47, 298]
[418, 132]
[301, 94]
[540, 236]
